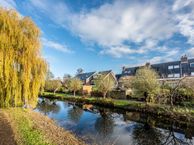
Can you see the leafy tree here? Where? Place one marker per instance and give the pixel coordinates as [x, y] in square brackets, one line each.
[74, 85]
[104, 84]
[22, 68]
[125, 82]
[145, 84]
[53, 85]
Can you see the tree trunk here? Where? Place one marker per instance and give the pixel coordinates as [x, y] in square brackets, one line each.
[104, 95]
[55, 90]
[171, 100]
[74, 93]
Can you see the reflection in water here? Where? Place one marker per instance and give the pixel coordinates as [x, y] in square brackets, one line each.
[147, 135]
[104, 123]
[105, 126]
[47, 106]
[75, 113]
[172, 138]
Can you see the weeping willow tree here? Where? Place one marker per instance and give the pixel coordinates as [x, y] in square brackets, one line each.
[22, 69]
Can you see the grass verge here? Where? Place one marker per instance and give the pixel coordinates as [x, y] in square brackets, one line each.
[31, 128]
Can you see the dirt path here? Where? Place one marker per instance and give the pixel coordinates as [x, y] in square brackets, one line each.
[6, 133]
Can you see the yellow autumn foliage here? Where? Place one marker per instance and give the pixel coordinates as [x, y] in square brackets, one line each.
[22, 69]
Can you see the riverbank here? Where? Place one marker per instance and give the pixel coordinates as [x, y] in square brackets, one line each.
[31, 128]
[181, 114]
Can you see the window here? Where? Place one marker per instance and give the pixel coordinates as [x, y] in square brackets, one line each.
[129, 71]
[170, 67]
[170, 75]
[177, 75]
[176, 66]
[192, 64]
[192, 73]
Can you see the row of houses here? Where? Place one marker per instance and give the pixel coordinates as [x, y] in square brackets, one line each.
[173, 70]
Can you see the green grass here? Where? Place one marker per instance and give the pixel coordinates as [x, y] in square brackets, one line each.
[26, 133]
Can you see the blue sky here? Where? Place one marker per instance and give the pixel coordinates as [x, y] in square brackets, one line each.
[108, 34]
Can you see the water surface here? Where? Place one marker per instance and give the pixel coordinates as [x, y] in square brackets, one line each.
[104, 126]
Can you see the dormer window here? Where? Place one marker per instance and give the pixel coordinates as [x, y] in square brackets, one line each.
[176, 66]
[192, 64]
[170, 67]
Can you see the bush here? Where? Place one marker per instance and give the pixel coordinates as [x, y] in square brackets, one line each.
[183, 94]
[118, 94]
[96, 94]
[164, 96]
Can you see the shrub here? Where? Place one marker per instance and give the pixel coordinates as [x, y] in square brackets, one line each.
[95, 93]
[183, 94]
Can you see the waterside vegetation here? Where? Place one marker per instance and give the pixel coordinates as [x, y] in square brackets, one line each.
[177, 112]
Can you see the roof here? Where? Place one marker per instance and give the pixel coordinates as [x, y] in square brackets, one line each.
[84, 76]
[156, 64]
[105, 72]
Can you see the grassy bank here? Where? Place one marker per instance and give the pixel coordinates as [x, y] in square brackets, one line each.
[180, 113]
[31, 128]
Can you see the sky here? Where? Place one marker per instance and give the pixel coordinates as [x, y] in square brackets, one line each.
[98, 35]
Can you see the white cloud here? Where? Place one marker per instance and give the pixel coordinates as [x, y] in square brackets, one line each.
[179, 4]
[168, 56]
[57, 11]
[118, 51]
[112, 24]
[55, 45]
[190, 52]
[9, 4]
[184, 15]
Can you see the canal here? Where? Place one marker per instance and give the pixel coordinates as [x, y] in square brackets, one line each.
[97, 125]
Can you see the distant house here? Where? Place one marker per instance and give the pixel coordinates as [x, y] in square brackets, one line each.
[87, 79]
[173, 69]
[106, 74]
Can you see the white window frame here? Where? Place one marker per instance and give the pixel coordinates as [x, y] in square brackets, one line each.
[176, 66]
[170, 76]
[170, 67]
[192, 63]
[177, 75]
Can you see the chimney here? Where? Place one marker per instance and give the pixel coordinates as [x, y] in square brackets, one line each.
[184, 59]
[123, 69]
[147, 64]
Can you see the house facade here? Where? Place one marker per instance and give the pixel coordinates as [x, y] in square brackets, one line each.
[88, 79]
[108, 73]
[175, 69]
